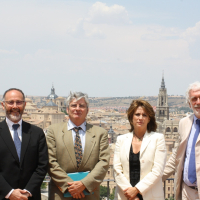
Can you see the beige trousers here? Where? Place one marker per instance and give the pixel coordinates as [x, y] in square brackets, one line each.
[189, 193]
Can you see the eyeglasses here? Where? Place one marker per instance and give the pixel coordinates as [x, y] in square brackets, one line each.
[82, 106]
[194, 99]
[18, 103]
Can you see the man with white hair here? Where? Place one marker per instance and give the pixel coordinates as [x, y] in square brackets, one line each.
[185, 159]
[76, 146]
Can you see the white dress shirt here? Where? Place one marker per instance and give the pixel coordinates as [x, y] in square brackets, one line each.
[19, 131]
[82, 131]
[187, 154]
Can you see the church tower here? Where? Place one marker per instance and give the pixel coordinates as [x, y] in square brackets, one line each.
[162, 109]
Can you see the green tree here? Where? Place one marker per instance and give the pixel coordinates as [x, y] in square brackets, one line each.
[103, 192]
[44, 185]
[112, 195]
[64, 111]
[171, 198]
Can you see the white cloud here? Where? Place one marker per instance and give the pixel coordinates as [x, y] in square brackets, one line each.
[156, 32]
[101, 13]
[95, 41]
[3, 51]
[192, 33]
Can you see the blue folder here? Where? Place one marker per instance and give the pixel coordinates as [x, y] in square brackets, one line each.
[77, 176]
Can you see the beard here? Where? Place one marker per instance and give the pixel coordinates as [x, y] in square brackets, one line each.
[196, 112]
[14, 114]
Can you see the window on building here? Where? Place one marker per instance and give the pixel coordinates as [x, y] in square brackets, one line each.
[175, 129]
[168, 129]
[168, 188]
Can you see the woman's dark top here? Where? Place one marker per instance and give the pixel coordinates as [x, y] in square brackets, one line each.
[134, 168]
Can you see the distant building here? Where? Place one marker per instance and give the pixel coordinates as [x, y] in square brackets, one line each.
[162, 109]
[30, 106]
[53, 95]
[59, 101]
[111, 135]
[110, 173]
[47, 116]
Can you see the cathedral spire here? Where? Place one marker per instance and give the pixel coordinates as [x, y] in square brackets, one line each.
[162, 109]
[163, 82]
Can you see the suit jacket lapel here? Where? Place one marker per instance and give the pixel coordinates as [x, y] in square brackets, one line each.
[68, 141]
[145, 142]
[187, 128]
[26, 134]
[6, 136]
[127, 145]
[89, 144]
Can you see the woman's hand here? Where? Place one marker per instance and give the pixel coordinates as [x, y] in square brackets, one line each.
[135, 198]
[131, 193]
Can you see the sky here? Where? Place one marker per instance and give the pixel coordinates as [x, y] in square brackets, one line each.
[103, 48]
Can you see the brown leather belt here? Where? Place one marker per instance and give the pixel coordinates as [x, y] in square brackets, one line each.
[194, 187]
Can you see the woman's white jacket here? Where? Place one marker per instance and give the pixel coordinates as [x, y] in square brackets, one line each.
[152, 162]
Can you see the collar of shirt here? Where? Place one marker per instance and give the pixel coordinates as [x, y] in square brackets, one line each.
[19, 130]
[82, 132]
[71, 125]
[10, 123]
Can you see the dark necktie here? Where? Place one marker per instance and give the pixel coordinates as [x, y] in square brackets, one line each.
[17, 140]
[192, 167]
[78, 146]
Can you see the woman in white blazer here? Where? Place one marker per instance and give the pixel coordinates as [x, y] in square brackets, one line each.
[140, 156]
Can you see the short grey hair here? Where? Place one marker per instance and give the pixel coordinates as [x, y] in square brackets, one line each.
[195, 85]
[11, 90]
[77, 96]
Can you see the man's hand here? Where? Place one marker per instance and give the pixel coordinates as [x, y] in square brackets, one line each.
[131, 192]
[27, 194]
[76, 189]
[19, 194]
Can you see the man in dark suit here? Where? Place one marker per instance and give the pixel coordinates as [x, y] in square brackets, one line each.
[23, 152]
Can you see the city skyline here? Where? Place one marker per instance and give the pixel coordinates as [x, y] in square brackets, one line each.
[106, 49]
